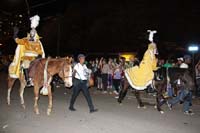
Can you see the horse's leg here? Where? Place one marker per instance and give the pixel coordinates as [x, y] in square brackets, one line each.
[159, 103]
[139, 100]
[123, 91]
[21, 92]
[36, 98]
[49, 109]
[11, 82]
[160, 100]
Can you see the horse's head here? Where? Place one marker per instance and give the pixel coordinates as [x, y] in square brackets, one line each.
[66, 73]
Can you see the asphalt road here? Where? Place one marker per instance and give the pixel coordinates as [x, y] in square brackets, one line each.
[111, 118]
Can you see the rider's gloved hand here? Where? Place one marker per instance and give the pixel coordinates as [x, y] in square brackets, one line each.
[39, 57]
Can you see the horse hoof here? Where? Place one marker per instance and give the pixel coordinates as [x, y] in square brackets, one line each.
[8, 102]
[155, 107]
[119, 101]
[162, 112]
[48, 112]
[37, 111]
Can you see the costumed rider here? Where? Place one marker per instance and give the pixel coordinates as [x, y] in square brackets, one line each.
[28, 49]
[140, 77]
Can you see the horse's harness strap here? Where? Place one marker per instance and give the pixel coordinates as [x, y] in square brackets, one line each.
[44, 66]
[63, 70]
[45, 71]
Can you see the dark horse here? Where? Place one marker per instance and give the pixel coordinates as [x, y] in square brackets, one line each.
[169, 75]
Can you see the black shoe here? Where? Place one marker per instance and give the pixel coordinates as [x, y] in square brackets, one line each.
[72, 109]
[29, 83]
[181, 102]
[93, 110]
[189, 112]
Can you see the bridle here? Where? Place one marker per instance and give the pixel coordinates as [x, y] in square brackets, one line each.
[63, 71]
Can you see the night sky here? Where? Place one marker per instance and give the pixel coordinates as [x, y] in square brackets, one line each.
[105, 25]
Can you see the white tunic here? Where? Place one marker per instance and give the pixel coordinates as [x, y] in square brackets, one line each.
[82, 72]
[184, 65]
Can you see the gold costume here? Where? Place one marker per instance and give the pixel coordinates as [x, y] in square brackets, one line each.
[26, 52]
[141, 76]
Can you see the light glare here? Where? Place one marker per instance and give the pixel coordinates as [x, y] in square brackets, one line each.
[193, 48]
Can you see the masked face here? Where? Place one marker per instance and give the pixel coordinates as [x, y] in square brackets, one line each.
[155, 51]
[32, 35]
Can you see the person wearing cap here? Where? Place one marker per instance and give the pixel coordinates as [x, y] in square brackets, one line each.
[186, 62]
[81, 74]
[179, 61]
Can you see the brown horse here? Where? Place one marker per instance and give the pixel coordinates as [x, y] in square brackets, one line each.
[61, 66]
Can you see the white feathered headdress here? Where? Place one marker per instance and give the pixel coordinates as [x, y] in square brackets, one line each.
[151, 34]
[34, 21]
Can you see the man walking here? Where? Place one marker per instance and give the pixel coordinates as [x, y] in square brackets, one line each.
[81, 75]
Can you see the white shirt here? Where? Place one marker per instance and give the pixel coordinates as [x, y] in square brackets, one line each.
[82, 71]
[184, 65]
[105, 69]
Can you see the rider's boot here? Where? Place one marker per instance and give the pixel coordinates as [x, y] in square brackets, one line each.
[29, 82]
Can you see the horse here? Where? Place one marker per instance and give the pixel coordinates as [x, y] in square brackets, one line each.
[160, 86]
[61, 66]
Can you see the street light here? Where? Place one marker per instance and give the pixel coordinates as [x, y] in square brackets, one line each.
[193, 49]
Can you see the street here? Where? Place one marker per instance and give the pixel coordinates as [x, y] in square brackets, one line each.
[111, 117]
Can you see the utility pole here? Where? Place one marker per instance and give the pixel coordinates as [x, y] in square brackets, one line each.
[58, 34]
[28, 8]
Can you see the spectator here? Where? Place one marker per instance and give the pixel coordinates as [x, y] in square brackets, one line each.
[167, 64]
[117, 76]
[197, 70]
[104, 72]
[187, 61]
[98, 74]
[179, 62]
[184, 95]
[110, 73]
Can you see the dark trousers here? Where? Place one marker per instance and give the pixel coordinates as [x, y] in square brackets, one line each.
[105, 81]
[116, 84]
[80, 85]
